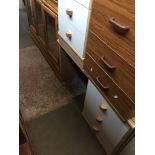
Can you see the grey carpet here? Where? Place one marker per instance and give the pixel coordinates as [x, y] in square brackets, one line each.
[62, 132]
[40, 90]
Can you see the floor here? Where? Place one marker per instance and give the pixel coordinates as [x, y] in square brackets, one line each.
[40, 90]
[24, 149]
[49, 106]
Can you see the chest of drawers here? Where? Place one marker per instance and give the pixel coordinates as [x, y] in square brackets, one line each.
[113, 22]
[119, 101]
[73, 17]
[109, 60]
[107, 126]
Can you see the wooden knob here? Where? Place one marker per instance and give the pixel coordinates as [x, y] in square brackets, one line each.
[95, 129]
[69, 34]
[99, 118]
[69, 12]
[102, 106]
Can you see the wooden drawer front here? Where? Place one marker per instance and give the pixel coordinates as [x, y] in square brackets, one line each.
[85, 3]
[74, 16]
[117, 98]
[107, 59]
[123, 12]
[77, 40]
[111, 129]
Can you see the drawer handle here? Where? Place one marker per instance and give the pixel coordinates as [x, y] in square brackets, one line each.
[69, 12]
[102, 106]
[99, 118]
[122, 29]
[104, 87]
[69, 34]
[95, 129]
[110, 67]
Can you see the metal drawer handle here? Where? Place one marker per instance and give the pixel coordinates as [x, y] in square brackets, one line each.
[122, 29]
[99, 118]
[104, 87]
[69, 12]
[95, 129]
[110, 67]
[102, 106]
[69, 34]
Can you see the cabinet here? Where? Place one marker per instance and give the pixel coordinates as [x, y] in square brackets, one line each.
[43, 23]
[29, 8]
[73, 24]
[104, 122]
[51, 25]
[109, 60]
[38, 16]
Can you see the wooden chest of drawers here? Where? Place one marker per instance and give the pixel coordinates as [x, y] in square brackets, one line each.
[116, 97]
[113, 22]
[109, 60]
[118, 69]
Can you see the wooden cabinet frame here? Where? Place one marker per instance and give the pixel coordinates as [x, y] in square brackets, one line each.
[42, 42]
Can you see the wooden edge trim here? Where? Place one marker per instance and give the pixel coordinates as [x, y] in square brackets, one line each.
[53, 14]
[23, 128]
[124, 141]
[131, 122]
[52, 7]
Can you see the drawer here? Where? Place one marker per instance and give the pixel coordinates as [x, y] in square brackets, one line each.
[110, 21]
[74, 17]
[118, 69]
[120, 102]
[91, 104]
[85, 3]
[111, 129]
[77, 40]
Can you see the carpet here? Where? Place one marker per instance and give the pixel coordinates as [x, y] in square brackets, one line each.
[62, 132]
[40, 90]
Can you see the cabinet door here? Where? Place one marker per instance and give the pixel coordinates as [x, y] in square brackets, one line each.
[38, 19]
[30, 13]
[51, 35]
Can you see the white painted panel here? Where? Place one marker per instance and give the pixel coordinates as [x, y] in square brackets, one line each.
[80, 15]
[86, 3]
[91, 103]
[77, 42]
[112, 129]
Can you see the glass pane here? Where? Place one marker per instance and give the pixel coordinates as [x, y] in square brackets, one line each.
[39, 20]
[52, 37]
[31, 12]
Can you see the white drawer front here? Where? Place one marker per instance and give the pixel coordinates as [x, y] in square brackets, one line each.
[86, 3]
[77, 41]
[91, 103]
[80, 14]
[112, 129]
